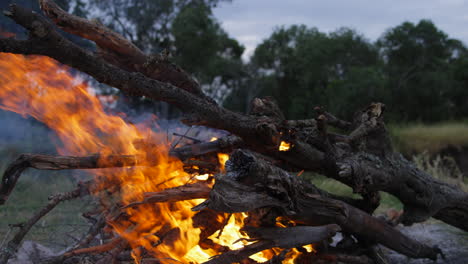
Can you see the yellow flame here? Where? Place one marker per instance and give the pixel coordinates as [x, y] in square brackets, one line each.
[202, 177]
[231, 234]
[284, 146]
[222, 158]
[309, 248]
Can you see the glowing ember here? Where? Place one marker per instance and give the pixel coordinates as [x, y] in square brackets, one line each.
[222, 157]
[5, 34]
[284, 146]
[202, 177]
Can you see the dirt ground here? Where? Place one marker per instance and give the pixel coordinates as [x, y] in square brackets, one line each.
[452, 241]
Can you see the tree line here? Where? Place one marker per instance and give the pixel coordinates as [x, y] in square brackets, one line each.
[416, 69]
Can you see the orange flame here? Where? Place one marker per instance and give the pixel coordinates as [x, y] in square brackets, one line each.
[222, 158]
[44, 89]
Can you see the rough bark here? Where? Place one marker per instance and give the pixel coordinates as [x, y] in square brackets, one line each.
[372, 165]
[116, 50]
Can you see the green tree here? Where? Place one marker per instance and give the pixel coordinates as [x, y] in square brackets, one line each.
[303, 67]
[203, 48]
[418, 60]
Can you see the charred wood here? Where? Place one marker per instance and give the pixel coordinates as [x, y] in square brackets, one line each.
[251, 184]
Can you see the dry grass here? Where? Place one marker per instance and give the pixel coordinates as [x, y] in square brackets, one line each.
[442, 168]
[417, 138]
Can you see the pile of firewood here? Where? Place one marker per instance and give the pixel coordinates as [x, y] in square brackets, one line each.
[260, 179]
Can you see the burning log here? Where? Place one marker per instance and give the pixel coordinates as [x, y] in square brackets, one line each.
[252, 184]
[47, 162]
[290, 237]
[186, 192]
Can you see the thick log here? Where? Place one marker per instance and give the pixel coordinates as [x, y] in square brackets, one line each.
[251, 184]
[422, 195]
[374, 166]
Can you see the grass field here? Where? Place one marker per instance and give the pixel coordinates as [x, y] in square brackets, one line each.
[388, 201]
[417, 138]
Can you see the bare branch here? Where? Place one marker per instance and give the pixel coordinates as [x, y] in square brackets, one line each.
[54, 200]
[46, 162]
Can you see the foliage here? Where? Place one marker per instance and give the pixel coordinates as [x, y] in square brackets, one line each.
[203, 48]
[418, 66]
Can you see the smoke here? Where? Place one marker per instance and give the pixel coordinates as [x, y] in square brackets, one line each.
[24, 134]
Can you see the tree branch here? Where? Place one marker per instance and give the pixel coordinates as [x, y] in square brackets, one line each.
[118, 51]
[46, 162]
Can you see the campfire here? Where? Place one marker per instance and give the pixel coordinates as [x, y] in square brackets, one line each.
[40, 87]
[235, 199]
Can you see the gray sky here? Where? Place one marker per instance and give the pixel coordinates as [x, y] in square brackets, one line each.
[251, 21]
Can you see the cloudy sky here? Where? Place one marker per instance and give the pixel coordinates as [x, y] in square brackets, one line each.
[251, 21]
